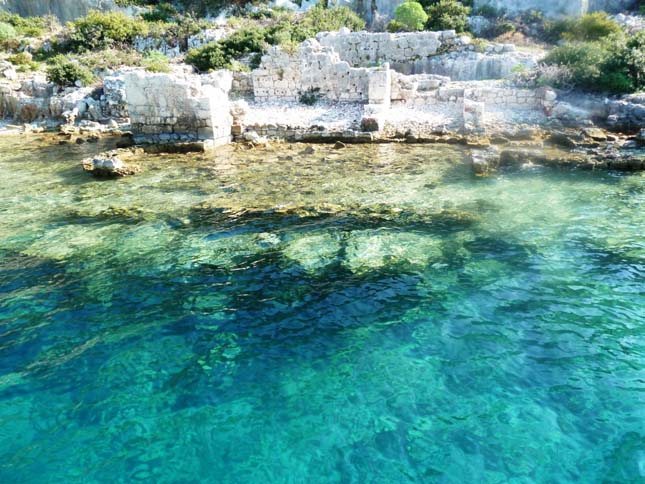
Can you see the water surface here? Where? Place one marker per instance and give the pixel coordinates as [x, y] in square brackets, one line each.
[369, 315]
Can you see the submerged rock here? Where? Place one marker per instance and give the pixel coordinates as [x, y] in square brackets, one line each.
[373, 249]
[111, 164]
[313, 252]
[484, 161]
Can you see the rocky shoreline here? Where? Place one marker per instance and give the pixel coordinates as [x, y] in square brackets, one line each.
[344, 88]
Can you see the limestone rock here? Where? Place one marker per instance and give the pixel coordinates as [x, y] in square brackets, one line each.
[111, 164]
[484, 161]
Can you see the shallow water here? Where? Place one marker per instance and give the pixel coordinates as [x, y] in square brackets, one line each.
[375, 314]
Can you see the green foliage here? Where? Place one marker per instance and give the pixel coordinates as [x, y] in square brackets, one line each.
[66, 72]
[411, 15]
[395, 26]
[489, 11]
[102, 60]
[220, 54]
[7, 32]
[284, 29]
[321, 19]
[164, 12]
[310, 97]
[27, 26]
[589, 27]
[24, 62]
[102, 30]
[448, 15]
[613, 64]
[156, 62]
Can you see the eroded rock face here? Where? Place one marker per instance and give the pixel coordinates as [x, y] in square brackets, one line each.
[65, 10]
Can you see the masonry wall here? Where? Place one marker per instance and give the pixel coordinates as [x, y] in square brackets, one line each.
[365, 49]
[179, 106]
[286, 76]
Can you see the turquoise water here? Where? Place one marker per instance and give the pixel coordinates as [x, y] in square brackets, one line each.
[370, 315]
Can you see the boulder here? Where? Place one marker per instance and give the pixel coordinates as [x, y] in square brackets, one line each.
[111, 164]
[484, 161]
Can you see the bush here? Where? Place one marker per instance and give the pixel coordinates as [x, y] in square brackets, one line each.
[395, 26]
[448, 15]
[164, 12]
[310, 97]
[207, 57]
[66, 72]
[410, 14]
[322, 19]
[24, 62]
[156, 62]
[103, 60]
[27, 26]
[589, 27]
[7, 32]
[102, 30]
[613, 64]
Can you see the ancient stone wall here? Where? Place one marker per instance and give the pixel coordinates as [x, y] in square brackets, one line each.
[179, 106]
[365, 49]
[311, 69]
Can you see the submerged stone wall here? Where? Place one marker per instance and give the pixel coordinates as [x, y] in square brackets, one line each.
[174, 107]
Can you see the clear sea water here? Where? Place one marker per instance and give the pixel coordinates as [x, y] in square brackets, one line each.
[369, 315]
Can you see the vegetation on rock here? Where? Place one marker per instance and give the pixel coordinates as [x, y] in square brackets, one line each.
[411, 16]
[156, 62]
[615, 63]
[448, 15]
[66, 72]
[252, 39]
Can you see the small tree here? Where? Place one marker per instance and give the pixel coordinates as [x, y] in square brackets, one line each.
[411, 15]
[448, 15]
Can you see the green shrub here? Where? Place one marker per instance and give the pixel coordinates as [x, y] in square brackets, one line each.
[395, 26]
[207, 57]
[7, 32]
[156, 62]
[489, 11]
[411, 15]
[164, 12]
[448, 15]
[24, 62]
[613, 64]
[102, 60]
[102, 30]
[592, 26]
[322, 19]
[310, 97]
[28, 26]
[65, 72]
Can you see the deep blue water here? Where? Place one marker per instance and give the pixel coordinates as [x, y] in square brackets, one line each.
[374, 316]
